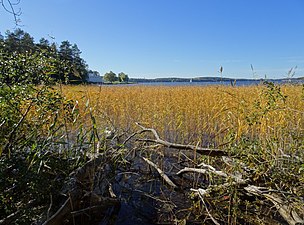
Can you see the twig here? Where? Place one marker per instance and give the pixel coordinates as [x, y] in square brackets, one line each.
[12, 9]
[201, 195]
[210, 169]
[10, 218]
[50, 207]
[106, 203]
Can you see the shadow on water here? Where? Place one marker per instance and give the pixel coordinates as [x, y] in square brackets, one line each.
[144, 197]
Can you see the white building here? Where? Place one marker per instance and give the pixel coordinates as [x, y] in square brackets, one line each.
[94, 77]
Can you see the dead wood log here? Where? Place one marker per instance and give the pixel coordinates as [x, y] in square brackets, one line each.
[158, 140]
[161, 173]
[286, 209]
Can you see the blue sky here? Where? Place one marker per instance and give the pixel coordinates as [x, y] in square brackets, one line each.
[174, 38]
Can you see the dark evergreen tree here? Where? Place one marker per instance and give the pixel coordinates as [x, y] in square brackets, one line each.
[44, 43]
[19, 41]
[66, 60]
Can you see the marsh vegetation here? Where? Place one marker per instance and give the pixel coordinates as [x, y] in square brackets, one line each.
[239, 158]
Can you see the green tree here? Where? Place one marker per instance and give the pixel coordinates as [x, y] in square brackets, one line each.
[80, 70]
[110, 77]
[122, 77]
[65, 50]
[78, 67]
[44, 43]
[19, 41]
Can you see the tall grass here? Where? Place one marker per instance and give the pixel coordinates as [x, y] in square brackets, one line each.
[263, 125]
[210, 116]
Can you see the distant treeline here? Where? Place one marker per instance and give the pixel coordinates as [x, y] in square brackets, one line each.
[27, 60]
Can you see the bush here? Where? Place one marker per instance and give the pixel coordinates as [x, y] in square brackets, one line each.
[33, 165]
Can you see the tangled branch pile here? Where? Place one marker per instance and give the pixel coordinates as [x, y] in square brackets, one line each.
[170, 183]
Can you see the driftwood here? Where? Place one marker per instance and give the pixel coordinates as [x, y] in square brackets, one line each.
[161, 173]
[286, 209]
[158, 140]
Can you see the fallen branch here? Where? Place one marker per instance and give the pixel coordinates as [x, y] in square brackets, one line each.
[158, 140]
[207, 169]
[203, 171]
[161, 173]
[285, 209]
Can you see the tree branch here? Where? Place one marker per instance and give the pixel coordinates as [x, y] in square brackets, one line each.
[161, 173]
[9, 7]
[158, 140]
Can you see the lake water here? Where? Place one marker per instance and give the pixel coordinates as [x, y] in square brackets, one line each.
[224, 83]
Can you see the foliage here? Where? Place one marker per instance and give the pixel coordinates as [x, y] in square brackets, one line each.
[34, 119]
[110, 77]
[71, 54]
[66, 62]
[44, 135]
[122, 77]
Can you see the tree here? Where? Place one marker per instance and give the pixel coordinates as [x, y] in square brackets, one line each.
[19, 41]
[67, 64]
[78, 67]
[110, 77]
[65, 50]
[44, 43]
[122, 77]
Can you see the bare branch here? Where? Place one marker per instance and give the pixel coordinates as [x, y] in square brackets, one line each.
[161, 173]
[203, 151]
[203, 171]
[9, 7]
[286, 210]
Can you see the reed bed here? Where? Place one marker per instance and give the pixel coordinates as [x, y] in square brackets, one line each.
[260, 130]
[210, 116]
